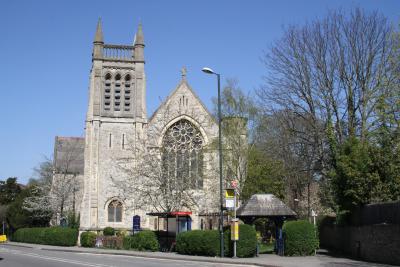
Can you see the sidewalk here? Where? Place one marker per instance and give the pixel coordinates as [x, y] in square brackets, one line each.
[267, 260]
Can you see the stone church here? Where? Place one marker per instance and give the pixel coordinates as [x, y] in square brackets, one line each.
[181, 132]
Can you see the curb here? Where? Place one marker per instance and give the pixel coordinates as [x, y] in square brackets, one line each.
[218, 260]
[16, 245]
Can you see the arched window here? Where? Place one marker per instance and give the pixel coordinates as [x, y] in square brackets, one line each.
[182, 154]
[115, 211]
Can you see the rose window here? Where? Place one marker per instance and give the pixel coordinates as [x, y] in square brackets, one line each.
[182, 153]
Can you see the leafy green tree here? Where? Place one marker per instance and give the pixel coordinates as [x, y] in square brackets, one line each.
[265, 175]
[354, 181]
[9, 190]
[238, 116]
[18, 217]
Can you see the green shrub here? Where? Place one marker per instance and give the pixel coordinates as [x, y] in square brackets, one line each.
[57, 236]
[126, 242]
[300, 238]
[88, 239]
[108, 231]
[246, 246]
[198, 242]
[144, 240]
[207, 242]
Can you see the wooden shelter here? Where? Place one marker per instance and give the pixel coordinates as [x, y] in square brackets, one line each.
[270, 207]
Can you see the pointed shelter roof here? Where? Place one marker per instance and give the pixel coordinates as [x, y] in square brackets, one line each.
[264, 205]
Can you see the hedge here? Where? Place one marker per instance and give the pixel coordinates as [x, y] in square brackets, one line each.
[300, 238]
[88, 239]
[198, 242]
[207, 242]
[57, 236]
[108, 231]
[144, 240]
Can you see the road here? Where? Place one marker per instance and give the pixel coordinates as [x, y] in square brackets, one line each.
[28, 257]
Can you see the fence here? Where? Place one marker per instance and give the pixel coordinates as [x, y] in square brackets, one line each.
[373, 234]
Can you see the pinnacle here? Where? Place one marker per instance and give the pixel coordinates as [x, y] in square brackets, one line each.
[99, 33]
[139, 38]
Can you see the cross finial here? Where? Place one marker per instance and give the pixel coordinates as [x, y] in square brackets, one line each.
[184, 72]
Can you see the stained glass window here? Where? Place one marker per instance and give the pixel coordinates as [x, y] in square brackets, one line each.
[182, 153]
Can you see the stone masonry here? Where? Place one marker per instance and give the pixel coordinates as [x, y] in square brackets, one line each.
[117, 119]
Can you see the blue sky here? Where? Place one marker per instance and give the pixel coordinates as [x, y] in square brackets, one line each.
[46, 57]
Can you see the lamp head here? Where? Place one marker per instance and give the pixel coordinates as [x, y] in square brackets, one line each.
[208, 71]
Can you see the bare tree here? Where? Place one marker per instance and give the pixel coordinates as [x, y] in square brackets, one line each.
[170, 176]
[57, 181]
[325, 80]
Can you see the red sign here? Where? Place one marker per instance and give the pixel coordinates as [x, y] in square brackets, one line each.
[181, 213]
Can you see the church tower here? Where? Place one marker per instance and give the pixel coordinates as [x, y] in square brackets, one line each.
[115, 119]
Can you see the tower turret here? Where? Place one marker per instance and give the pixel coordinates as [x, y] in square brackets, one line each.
[98, 42]
[139, 44]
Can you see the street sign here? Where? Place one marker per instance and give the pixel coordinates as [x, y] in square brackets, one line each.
[230, 198]
[235, 230]
[230, 203]
[230, 193]
[234, 183]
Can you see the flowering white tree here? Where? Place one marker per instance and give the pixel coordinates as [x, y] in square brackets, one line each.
[169, 177]
[57, 183]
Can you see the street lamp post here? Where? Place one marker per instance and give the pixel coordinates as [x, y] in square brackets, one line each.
[221, 211]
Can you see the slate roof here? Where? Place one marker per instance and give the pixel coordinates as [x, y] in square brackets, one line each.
[69, 154]
[264, 205]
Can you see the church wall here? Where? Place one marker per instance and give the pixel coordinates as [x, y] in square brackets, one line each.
[184, 104]
[111, 135]
[118, 140]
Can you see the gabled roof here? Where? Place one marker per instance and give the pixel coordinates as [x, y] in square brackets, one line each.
[264, 205]
[182, 82]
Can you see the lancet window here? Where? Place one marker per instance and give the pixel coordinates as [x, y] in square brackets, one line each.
[115, 211]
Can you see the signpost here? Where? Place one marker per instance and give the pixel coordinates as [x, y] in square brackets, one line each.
[230, 202]
[314, 215]
[136, 224]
